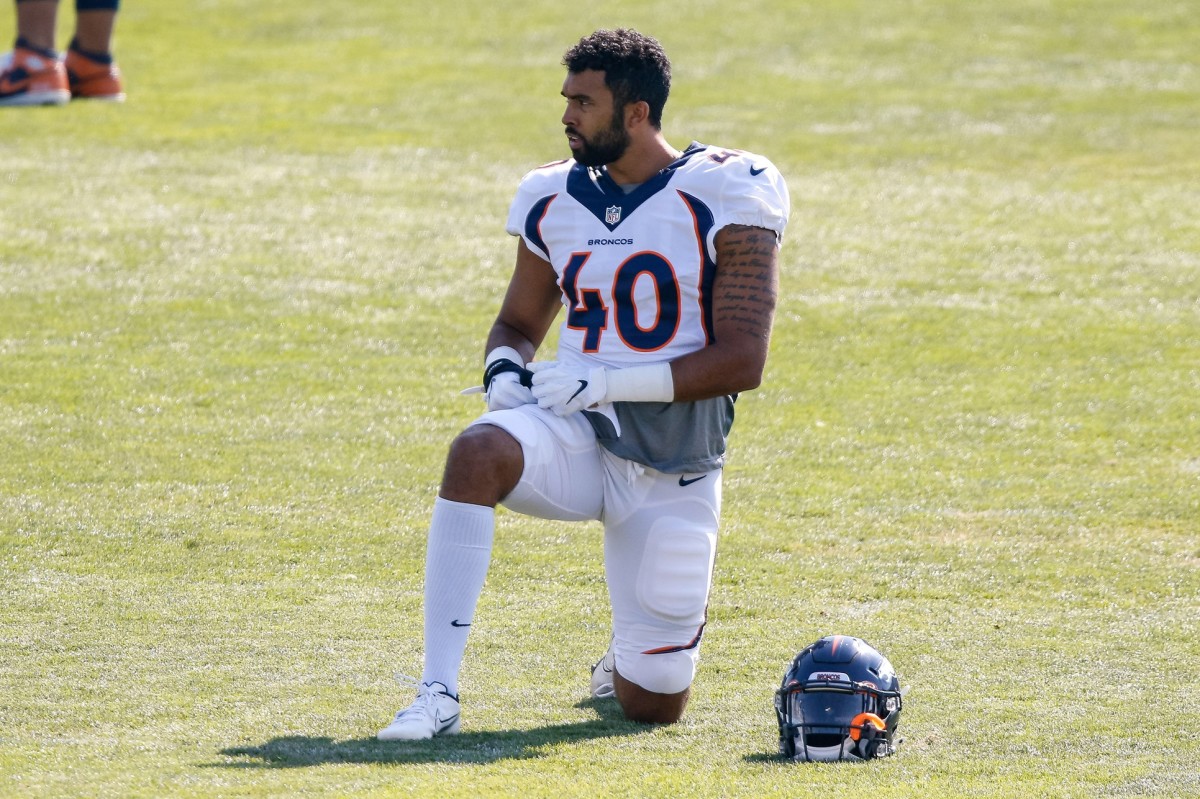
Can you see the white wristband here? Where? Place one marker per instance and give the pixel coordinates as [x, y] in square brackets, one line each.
[650, 383]
[501, 353]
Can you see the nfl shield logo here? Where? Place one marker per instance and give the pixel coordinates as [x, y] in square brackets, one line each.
[612, 215]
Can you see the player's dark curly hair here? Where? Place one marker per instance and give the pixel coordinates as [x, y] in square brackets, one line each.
[634, 65]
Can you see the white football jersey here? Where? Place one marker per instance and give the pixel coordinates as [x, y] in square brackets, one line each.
[636, 270]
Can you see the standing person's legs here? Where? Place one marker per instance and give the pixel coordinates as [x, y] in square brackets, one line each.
[36, 23]
[95, 21]
[91, 70]
[33, 74]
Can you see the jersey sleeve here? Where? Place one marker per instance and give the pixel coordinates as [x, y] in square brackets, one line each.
[534, 195]
[753, 192]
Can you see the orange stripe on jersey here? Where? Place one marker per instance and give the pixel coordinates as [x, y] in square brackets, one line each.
[702, 222]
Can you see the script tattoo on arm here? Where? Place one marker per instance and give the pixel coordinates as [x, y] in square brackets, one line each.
[747, 284]
[744, 293]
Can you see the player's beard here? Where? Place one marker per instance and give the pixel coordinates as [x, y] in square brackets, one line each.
[606, 146]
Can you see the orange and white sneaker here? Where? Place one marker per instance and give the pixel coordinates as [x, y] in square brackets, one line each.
[32, 77]
[93, 79]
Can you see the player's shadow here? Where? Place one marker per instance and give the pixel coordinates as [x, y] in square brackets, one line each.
[302, 751]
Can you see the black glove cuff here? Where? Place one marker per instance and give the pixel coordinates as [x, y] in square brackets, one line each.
[505, 365]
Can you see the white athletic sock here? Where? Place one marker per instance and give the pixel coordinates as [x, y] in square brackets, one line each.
[456, 563]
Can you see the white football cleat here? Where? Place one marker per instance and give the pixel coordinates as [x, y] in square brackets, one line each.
[602, 675]
[435, 711]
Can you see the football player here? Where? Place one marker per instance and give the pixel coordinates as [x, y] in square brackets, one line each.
[664, 261]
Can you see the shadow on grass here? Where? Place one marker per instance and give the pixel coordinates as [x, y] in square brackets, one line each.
[764, 757]
[301, 751]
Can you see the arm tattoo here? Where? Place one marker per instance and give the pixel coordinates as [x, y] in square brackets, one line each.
[747, 282]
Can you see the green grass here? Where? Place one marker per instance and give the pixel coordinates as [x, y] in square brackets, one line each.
[235, 313]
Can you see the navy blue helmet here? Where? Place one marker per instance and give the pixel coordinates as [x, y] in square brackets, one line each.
[840, 700]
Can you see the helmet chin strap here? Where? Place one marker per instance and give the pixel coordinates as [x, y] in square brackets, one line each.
[827, 754]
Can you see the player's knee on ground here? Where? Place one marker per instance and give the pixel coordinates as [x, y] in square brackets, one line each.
[662, 673]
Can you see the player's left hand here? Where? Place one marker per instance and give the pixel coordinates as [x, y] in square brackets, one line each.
[565, 389]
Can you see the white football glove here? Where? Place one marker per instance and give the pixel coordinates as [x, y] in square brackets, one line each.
[506, 382]
[505, 391]
[565, 389]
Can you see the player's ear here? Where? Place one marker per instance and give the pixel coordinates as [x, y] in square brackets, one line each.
[637, 113]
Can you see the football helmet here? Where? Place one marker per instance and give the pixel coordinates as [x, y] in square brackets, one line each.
[840, 700]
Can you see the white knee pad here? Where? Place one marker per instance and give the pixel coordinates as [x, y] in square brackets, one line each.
[676, 572]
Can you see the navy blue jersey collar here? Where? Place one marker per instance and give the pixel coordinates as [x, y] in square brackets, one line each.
[608, 201]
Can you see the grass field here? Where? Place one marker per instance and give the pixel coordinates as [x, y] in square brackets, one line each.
[235, 313]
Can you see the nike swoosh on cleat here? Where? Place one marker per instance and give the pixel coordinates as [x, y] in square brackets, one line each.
[582, 386]
[442, 723]
[457, 623]
[685, 482]
[9, 87]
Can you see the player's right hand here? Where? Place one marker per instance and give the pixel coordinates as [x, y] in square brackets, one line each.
[506, 391]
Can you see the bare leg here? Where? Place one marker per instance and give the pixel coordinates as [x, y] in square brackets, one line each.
[483, 467]
[94, 31]
[36, 20]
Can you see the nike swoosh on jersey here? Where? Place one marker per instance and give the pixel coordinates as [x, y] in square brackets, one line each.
[757, 171]
[685, 482]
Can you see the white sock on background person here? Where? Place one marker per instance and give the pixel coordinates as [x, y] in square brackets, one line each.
[456, 563]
